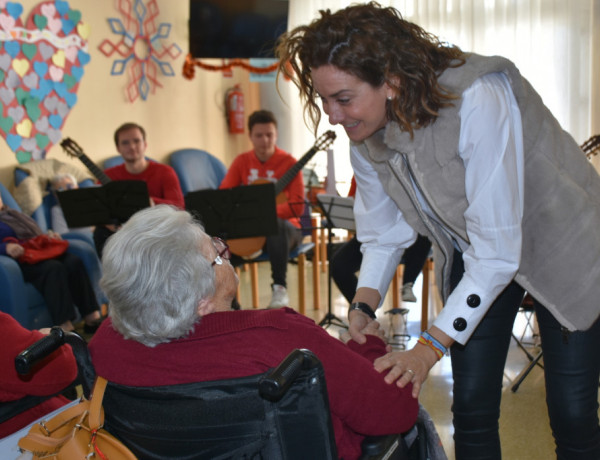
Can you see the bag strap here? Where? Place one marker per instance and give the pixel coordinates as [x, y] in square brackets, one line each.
[96, 418]
[36, 442]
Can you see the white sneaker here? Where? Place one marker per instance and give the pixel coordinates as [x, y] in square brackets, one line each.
[280, 297]
[407, 293]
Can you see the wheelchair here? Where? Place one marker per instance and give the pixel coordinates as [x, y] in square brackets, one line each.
[280, 414]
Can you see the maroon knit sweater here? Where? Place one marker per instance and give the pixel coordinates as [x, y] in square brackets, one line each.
[233, 344]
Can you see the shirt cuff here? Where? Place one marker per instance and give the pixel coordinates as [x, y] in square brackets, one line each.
[464, 310]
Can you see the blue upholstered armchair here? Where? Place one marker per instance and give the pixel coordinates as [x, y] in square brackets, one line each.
[197, 169]
[23, 301]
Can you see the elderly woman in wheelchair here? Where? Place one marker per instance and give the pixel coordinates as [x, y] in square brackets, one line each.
[171, 288]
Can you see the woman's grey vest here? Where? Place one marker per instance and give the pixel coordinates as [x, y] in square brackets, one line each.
[560, 258]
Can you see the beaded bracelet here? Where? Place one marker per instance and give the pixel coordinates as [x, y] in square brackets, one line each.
[427, 339]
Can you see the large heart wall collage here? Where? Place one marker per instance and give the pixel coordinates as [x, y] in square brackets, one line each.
[41, 66]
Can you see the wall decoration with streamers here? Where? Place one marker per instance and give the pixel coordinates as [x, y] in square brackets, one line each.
[141, 45]
[41, 65]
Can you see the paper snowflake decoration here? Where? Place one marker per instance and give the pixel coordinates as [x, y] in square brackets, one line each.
[141, 46]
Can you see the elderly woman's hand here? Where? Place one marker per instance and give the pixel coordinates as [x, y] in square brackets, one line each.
[15, 250]
[52, 234]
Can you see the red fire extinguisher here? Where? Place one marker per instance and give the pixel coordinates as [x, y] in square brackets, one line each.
[234, 109]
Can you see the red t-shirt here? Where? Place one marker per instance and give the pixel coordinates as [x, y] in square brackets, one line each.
[247, 169]
[163, 184]
[50, 376]
[233, 344]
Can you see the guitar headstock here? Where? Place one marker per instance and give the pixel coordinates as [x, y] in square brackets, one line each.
[71, 147]
[325, 140]
[591, 147]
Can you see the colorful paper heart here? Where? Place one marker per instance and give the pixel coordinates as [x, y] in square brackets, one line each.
[41, 66]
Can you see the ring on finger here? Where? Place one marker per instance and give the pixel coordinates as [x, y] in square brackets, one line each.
[411, 372]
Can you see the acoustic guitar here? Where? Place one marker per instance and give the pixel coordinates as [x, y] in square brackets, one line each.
[245, 247]
[73, 149]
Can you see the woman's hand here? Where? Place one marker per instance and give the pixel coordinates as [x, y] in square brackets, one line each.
[358, 322]
[372, 328]
[409, 366]
[15, 250]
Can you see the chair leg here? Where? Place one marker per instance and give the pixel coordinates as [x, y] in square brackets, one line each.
[316, 276]
[315, 263]
[301, 283]
[238, 272]
[254, 281]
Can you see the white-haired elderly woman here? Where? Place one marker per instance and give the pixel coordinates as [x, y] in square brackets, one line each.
[171, 287]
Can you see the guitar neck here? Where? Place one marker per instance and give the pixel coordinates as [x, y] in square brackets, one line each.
[289, 175]
[95, 170]
[591, 147]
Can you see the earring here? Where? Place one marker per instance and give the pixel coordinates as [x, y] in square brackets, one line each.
[389, 98]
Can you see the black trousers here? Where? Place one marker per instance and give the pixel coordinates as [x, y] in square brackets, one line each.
[278, 248]
[571, 370]
[346, 260]
[63, 282]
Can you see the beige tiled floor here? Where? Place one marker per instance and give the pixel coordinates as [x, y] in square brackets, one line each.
[524, 429]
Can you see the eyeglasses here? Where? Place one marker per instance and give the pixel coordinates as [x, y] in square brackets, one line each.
[223, 251]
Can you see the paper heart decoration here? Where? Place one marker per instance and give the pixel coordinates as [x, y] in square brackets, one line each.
[41, 66]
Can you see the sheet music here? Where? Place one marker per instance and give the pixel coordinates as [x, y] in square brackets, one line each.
[339, 210]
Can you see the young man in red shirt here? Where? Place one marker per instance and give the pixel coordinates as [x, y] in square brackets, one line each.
[163, 184]
[267, 162]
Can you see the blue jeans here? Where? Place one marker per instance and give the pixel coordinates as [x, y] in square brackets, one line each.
[571, 370]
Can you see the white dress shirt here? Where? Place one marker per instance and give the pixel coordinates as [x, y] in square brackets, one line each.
[491, 146]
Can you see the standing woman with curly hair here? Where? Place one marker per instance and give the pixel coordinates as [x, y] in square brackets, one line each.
[460, 148]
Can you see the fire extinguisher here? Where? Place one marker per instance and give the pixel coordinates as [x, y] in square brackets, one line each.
[234, 109]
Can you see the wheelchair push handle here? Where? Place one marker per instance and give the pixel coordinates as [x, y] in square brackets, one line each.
[276, 383]
[39, 350]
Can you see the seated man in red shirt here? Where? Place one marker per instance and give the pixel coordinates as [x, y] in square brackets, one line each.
[267, 163]
[163, 184]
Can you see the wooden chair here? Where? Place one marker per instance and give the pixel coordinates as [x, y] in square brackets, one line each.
[298, 257]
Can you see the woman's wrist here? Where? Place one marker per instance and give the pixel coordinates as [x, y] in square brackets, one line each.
[432, 343]
[363, 307]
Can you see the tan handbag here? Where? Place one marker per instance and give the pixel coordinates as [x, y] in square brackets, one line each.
[76, 433]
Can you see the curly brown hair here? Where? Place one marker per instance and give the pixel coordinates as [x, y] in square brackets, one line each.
[377, 46]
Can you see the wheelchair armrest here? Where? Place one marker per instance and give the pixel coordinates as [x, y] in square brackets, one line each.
[39, 350]
[275, 384]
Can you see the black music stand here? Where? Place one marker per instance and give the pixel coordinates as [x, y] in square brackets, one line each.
[112, 203]
[339, 213]
[239, 212]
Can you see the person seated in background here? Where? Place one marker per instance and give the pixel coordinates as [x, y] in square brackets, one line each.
[346, 260]
[52, 375]
[163, 184]
[59, 183]
[171, 286]
[62, 281]
[267, 163]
